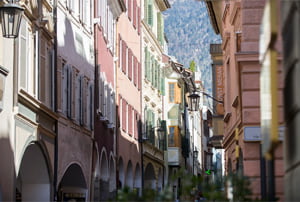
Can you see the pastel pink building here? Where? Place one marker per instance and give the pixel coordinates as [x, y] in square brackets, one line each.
[128, 94]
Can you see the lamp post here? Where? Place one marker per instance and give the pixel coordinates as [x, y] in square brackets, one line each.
[11, 16]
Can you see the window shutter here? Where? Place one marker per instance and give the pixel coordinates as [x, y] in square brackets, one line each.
[162, 83]
[85, 89]
[159, 28]
[158, 77]
[59, 83]
[134, 13]
[150, 13]
[129, 120]
[129, 64]
[146, 62]
[73, 94]
[108, 104]
[177, 94]
[139, 77]
[152, 70]
[135, 69]
[120, 51]
[124, 105]
[129, 9]
[43, 71]
[135, 124]
[69, 91]
[124, 47]
[146, 11]
[113, 108]
[139, 20]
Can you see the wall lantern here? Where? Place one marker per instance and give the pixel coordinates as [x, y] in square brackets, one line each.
[193, 101]
[11, 16]
[195, 154]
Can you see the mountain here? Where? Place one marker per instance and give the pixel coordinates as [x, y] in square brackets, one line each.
[190, 33]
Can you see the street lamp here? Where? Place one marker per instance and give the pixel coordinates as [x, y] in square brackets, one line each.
[193, 101]
[10, 16]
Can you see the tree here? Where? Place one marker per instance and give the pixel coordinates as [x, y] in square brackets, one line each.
[193, 66]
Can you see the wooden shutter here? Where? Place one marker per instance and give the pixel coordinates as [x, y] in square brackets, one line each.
[43, 71]
[139, 77]
[130, 64]
[124, 47]
[150, 13]
[159, 28]
[146, 62]
[73, 93]
[59, 83]
[129, 9]
[134, 13]
[129, 120]
[139, 20]
[135, 69]
[177, 94]
[146, 10]
[120, 45]
[124, 106]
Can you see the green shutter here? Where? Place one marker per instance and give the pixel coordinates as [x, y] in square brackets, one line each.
[159, 27]
[162, 87]
[158, 76]
[145, 10]
[146, 62]
[150, 13]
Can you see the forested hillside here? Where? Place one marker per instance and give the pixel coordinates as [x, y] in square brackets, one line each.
[189, 33]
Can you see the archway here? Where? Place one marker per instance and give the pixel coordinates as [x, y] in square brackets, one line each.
[160, 180]
[112, 178]
[150, 180]
[138, 179]
[104, 175]
[73, 186]
[129, 175]
[33, 180]
[121, 174]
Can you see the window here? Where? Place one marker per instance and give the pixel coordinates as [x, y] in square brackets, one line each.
[78, 97]
[46, 74]
[171, 92]
[26, 71]
[171, 139]
[66, 90]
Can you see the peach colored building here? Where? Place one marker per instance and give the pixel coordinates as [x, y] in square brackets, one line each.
[238, 23]
[128, 96]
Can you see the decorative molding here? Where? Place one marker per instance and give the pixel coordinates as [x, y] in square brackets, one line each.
[235, 11]
[227, 117]
[235, 102]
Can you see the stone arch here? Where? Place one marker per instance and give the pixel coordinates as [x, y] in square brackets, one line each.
[137, 182]
[129, 175]
[104, 173]
[149, 177]
[112, 174]
[73, 185]
[33, 179]
[121, 174]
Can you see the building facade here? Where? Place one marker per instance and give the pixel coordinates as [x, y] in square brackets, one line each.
[104, 159]
[27, 132]
[75, 72]
[128, 92]
[238, 23]
[153, 42]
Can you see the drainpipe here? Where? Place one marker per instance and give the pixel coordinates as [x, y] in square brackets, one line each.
[55, 102]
